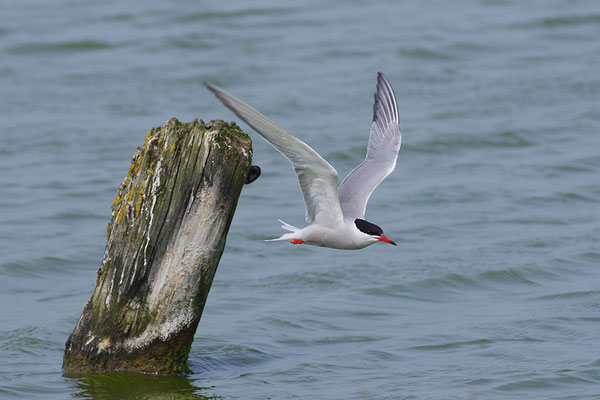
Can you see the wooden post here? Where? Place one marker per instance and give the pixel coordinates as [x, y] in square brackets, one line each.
[164, 241]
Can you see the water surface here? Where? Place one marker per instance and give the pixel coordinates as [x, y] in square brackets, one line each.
[493, 291]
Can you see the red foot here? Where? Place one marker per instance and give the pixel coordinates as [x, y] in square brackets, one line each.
[297, 241]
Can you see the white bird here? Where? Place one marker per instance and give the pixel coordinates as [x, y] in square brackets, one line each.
[336, 215]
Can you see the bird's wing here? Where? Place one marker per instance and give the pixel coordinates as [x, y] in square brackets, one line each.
[318, 179]
[382, 152]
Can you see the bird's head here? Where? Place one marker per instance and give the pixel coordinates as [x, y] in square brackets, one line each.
[374, 231]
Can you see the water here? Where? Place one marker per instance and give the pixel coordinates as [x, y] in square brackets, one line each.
[493, 291]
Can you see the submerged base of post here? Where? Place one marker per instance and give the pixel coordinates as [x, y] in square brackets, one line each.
[164, 241]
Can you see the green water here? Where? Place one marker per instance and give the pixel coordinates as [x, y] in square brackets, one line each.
[494, 289]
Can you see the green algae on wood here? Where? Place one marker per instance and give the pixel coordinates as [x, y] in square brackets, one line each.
[169, 222]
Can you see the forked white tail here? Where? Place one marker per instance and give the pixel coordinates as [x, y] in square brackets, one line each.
[286, 236]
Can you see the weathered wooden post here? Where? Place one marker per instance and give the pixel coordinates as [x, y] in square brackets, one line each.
[165, 238]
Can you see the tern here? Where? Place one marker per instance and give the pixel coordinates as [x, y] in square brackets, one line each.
[336, 215]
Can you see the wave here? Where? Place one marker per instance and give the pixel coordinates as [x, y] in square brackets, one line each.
[558, 21]
[226, 357]
[559, 380]
[569, 295]
[35, 267]
[425, 54]
[568, 20]
[437, 289]
[30, 340]
[501, 139]
[236, 14]
[68, 46]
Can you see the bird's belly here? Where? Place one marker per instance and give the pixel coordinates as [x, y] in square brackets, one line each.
[334, 238]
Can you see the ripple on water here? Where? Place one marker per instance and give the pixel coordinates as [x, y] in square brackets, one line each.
[72, 215]
[479, 343]
[29, 340]
[426, 54]
[571, 168]
[60, 47]
[569, 20]
[555, 382]
[233, 358]
[234, 14]
[425, 290]
[35, 267]
[559, 197]
[507, 276]
[439, 288]
[460, 141]
[190, 42]
[303, 280]
[558, 21]
[569, 295]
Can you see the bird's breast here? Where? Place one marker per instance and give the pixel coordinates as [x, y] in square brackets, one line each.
[343, 236]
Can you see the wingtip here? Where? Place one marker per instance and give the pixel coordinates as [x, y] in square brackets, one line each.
[385, 108]
[209, 86]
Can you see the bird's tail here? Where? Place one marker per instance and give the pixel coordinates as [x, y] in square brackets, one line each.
[286, 236]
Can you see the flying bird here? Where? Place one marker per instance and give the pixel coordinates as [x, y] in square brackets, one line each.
[336, 215]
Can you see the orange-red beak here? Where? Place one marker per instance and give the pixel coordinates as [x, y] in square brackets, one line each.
[386, 239]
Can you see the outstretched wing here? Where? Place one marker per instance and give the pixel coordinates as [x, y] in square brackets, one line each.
[318, 179]
[382, 153]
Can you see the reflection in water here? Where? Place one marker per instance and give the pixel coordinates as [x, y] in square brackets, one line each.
[136, 386]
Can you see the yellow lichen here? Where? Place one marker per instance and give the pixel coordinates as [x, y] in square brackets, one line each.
[172, 149]
[130, 195]
[151, 168]
[138, 202]
[121, 213]
[118, 199]
[138, 164]
[147, 140]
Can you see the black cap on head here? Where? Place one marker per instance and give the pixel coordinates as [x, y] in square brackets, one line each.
[368, 228]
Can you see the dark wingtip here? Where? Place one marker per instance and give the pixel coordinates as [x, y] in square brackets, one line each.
[209, 86]
[385, 109]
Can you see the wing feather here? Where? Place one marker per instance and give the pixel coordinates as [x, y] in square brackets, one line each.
[382, 152]
[318, 179]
